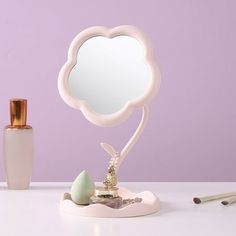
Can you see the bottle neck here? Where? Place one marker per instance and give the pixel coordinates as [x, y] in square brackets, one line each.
[18, 127]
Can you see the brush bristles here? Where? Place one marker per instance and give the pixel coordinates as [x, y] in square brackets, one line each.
[225, 203]
[197, 200]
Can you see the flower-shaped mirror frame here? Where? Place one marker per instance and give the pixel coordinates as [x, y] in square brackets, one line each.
[126, 111]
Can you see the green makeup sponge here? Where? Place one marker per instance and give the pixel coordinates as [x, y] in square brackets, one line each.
[82, 188]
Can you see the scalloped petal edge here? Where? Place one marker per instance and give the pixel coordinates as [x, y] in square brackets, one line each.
[149, 205]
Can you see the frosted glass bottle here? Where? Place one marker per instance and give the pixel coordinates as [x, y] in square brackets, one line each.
[18, 146]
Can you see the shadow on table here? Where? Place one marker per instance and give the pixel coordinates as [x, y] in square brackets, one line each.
[166, 208]
[43, 187]
[38, 187]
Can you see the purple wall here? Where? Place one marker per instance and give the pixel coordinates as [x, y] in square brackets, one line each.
[191, 135]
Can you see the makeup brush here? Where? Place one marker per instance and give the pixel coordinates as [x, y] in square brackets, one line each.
[199, 200]
[229, 201]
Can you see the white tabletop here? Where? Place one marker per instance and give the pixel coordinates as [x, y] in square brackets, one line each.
[36, 212]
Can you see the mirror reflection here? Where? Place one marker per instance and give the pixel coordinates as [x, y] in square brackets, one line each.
[109, 73]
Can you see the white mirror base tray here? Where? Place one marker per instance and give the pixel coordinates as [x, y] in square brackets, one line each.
[149, 205]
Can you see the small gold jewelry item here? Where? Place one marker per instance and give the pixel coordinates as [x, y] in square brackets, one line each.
[111, 177]
[115, 202]
[106, 196]
[106, 192]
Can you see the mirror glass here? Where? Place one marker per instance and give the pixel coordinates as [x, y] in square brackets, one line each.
[109, 73]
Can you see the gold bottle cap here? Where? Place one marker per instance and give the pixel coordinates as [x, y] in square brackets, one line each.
[18, 112]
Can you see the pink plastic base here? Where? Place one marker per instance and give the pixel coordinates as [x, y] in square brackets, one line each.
[150, 204]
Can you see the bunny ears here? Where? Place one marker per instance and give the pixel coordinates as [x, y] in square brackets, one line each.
[110, 150]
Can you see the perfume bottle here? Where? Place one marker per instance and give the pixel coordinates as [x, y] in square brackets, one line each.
[18, 147]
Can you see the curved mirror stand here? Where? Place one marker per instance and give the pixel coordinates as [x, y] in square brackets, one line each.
[110, 73]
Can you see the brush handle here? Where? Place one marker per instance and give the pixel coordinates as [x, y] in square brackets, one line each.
[199, 200]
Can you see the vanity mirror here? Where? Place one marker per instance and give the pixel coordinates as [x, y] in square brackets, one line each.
[110, 73]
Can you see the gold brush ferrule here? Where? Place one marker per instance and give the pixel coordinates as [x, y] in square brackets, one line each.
[18, 112]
